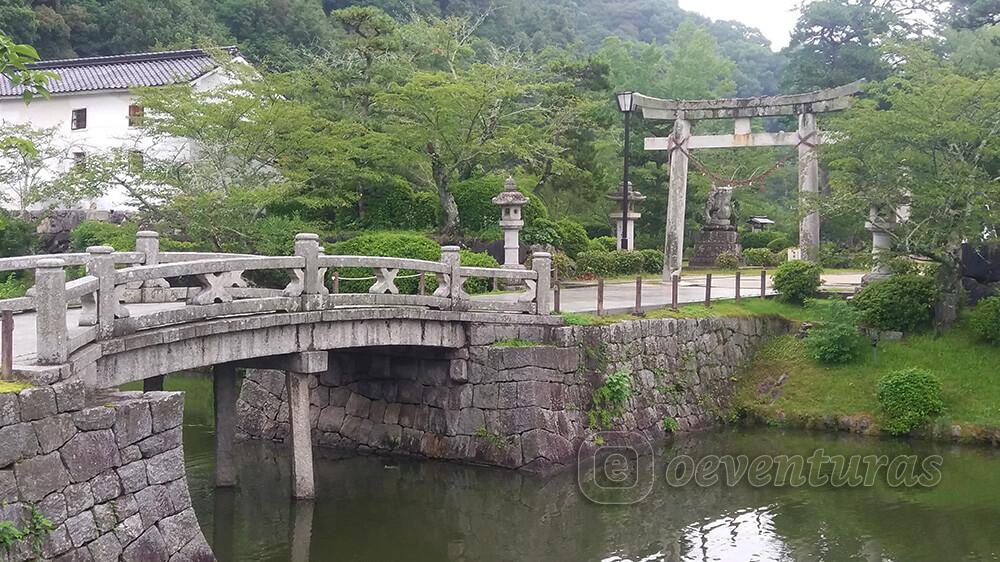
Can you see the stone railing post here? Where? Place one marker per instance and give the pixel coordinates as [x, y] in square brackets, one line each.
[51, 335]
[101, 265]
[450, 257]
[307, 246]
[147, 242]
[541, 262]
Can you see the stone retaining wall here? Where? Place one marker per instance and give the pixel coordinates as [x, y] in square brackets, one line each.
[500, 403]
[107, 472]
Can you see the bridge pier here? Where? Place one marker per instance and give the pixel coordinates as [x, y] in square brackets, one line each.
[224, 392]
[299, 367]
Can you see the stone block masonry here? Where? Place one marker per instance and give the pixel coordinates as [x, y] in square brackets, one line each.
[512, 406]
[107, 472]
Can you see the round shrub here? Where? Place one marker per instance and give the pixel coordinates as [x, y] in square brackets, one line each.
[390, 244]
[761, 257]
[760, 239]
[985, 320]
[836, 338]
[779, 243]
[97, 233]
[652, 261]
[797, 281]
[626, 263]
[908, 398]
[603, 244]
[476, 211]
[727, 260]
[542, 231]
[900, 303]
[572, 237]
[596, 263]
[474, 285]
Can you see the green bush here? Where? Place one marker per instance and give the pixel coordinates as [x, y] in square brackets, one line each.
[603, 244]
[390, 244]
[17, 237]
[652, 261]
[565, 265]
[542, 231]
[796, 281]
[836, 338]
[97, 233]
[474, 285]
[727, 260]
[760, 239]
[597, 263]
[779, 243]
[901, 302]
[572, 236]
[985, 320]
[626, 263]
[13, 286]
[908, 398]
[396, 205]
[761, 257]
[476, 211]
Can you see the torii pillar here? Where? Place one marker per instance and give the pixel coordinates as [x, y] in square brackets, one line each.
[741, 110]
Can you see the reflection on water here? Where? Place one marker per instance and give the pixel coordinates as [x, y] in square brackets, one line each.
[374, 509]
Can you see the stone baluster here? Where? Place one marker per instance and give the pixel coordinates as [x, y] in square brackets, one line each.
[101, 264]
[307, 246]
[450, 257]
[51, 335]
[541, 262]
[148, 242]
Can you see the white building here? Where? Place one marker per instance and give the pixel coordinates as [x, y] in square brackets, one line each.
[92, 108]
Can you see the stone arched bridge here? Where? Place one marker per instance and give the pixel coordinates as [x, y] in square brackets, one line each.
[139, 315]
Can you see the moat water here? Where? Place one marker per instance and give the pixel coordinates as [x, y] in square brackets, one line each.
[387, 509]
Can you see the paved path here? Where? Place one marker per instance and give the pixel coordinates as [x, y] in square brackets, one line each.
[618, 298]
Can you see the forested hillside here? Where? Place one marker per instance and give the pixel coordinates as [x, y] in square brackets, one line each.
[274, 31]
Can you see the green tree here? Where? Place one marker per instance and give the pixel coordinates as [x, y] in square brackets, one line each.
[928, 137]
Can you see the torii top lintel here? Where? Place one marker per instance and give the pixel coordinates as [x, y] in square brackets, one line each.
[820, 101]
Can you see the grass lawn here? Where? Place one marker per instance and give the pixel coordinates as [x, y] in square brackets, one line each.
[968, 371]
[747, 307]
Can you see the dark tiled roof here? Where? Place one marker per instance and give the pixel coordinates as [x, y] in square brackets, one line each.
[121, 72]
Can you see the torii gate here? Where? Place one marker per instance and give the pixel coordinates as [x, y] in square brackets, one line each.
[742, 110]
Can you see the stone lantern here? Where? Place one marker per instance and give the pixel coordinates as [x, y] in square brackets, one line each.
[629, 222]
[510, 201]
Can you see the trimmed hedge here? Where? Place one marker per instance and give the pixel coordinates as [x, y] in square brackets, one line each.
[396, 205]
[626, 263]
[760, 239]
[985, 320]
[389, 244]
[652, 261]
[603, 244]
[542, 231]
[598, 263]
[909, 398]
[476, 211]
[797, 281]
[469, 258]
[761, 257]
[727, 260]
[573, 237]
[901, 303]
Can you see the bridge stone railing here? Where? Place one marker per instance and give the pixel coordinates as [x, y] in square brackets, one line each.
[105, 290]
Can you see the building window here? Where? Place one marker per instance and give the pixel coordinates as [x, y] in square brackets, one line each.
[80, 160]
[136, 161]
[79, 120]
[135, 115]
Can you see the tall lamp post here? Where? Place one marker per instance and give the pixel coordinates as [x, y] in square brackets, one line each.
[626, 103]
